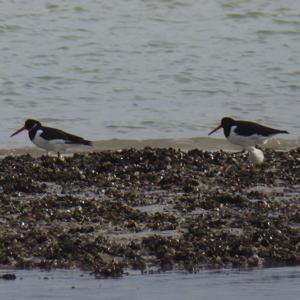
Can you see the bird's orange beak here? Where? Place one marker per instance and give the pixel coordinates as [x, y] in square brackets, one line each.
[18, 131]
[214, 130]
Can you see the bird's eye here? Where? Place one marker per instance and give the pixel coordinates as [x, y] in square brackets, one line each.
[33, 126]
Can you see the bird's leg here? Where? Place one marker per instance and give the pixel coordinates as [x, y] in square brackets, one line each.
[243, 151]
[58, 155]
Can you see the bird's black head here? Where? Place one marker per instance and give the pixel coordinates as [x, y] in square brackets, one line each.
[32, 124]
[226, 123]
[29, 125]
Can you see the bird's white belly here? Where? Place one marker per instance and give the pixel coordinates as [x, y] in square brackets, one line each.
[246, 141]
[49, 145]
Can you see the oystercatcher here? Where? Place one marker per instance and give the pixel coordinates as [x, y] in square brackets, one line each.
[246, 134]
[51, 139]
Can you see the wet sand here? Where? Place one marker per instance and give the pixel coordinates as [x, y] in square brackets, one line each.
[185, 144]
[151, 210]
[233, 284]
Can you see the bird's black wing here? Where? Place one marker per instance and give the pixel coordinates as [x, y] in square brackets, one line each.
[246, 128]
[57, 134]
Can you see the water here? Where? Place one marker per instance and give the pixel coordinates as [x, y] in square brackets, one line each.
[260, 284]
[148, 69]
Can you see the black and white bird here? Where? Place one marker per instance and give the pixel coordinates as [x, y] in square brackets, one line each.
[246, 134]
[51, 139]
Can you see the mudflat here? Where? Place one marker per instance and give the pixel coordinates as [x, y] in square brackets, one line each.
[149, 209]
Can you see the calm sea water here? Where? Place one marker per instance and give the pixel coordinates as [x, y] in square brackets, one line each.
[148, 69]
[258, 284]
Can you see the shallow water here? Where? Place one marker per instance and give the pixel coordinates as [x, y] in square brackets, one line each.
[260, 284]
[208, 144]
[148, 69]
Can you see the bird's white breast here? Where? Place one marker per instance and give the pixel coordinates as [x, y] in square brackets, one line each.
[245, 141]
[49, 145]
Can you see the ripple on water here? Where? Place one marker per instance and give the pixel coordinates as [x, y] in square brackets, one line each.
[186, 60]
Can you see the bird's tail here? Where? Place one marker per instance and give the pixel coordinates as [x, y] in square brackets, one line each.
[88, 143]
[284, 131]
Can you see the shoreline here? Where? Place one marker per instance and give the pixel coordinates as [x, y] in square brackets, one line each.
[185, 144]
[150, 209]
